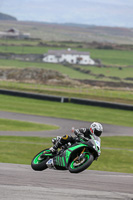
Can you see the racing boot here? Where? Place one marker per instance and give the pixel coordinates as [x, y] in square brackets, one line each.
[53, 150]
[57, 144]
[54, 140]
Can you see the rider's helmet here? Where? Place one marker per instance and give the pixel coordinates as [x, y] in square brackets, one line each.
[96, 128]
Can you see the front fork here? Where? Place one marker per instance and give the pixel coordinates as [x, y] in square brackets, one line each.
[80, 157]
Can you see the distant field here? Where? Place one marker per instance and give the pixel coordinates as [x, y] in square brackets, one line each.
[119, 69]
[59, 32]
[25, 42]
[105, 94]
[74, 74]
[110, 57]
[123, 72]
[58, 67]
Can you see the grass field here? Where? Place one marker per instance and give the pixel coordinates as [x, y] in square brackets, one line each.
[122, 74]
[10, 42]
[15, 125]
[66, 110]
[117, 58]
[22, 149]
[58, 32]
[109, 57]
[57, 67]
[111, 95]
[110, 71]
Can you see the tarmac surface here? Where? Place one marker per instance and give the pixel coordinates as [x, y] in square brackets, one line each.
[64, 124]
[20, 182]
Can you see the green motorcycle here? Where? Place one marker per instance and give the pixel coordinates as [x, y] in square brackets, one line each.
[75, 158]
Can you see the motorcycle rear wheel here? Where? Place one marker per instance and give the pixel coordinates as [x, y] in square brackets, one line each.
[39, 164]
[75, 167]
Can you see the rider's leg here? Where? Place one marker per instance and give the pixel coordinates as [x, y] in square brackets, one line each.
[56, 144]
[61, 141]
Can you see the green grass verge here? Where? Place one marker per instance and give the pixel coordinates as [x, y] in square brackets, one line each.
[114, 95]
[116, 155]
[21, 150]
[114, 161]
[15, 125]
[118, 142]
[66, 110]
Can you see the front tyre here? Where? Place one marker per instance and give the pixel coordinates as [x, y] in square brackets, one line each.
[38, 163]
[79, 166]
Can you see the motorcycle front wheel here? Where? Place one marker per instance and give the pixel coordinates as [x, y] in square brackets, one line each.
[38, 163]
[77, 166]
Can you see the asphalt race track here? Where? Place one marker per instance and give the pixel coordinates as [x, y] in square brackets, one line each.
[20, 182]
[64, 124]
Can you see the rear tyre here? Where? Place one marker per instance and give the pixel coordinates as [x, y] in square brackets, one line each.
[76, 167]
[38, 163]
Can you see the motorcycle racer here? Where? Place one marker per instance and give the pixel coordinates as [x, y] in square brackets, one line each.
[95, 130]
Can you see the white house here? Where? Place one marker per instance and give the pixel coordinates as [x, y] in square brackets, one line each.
[68, 56]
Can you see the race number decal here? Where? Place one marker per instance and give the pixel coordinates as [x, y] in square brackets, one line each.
[98, 144]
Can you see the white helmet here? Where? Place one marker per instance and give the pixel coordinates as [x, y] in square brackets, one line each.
[96, 128]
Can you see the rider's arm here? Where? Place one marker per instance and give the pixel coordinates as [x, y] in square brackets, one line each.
[78, 133]
[82, 132]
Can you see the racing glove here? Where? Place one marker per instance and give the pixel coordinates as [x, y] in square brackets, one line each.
[77, 132]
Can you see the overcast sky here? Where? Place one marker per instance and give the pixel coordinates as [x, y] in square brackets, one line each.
[96, 12]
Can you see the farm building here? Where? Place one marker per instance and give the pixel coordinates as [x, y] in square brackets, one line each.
[14, 33]
[68, 56]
